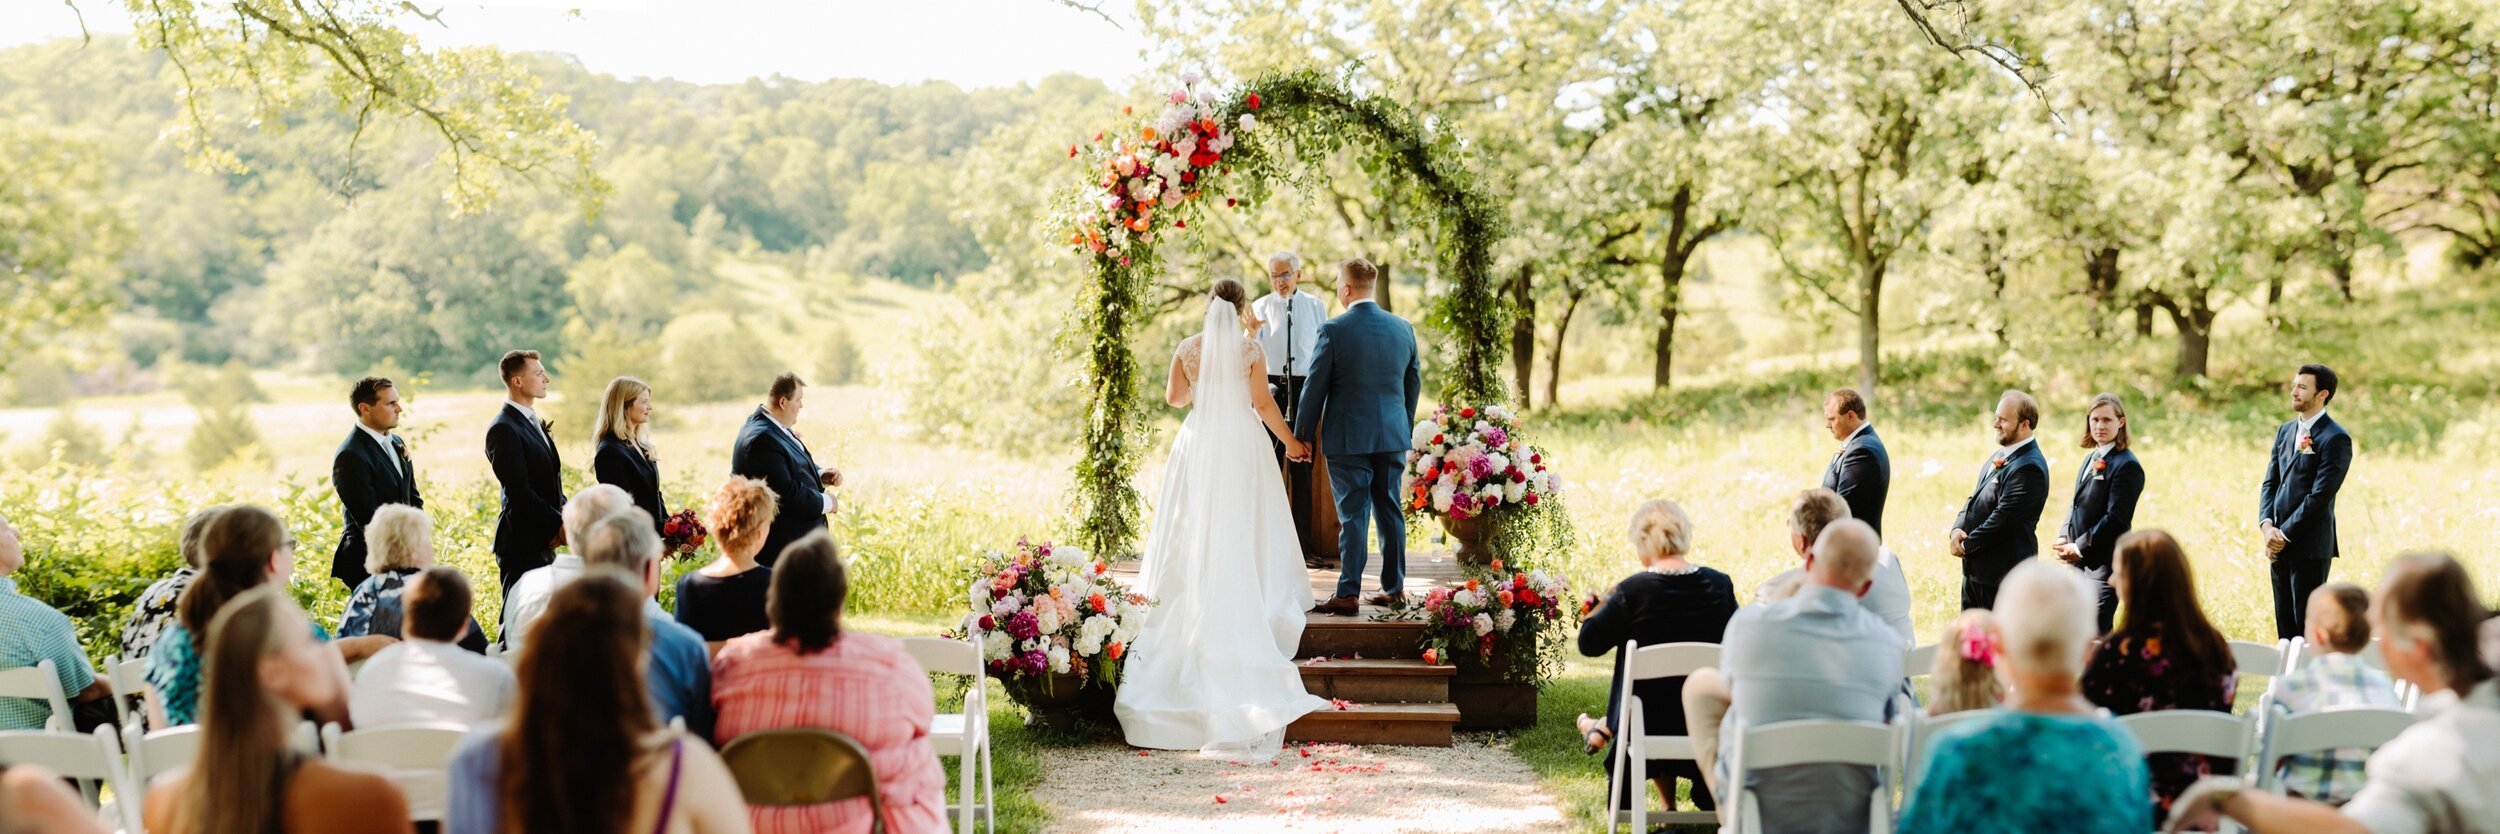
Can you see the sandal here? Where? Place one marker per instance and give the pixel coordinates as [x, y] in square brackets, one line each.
[1595, 732]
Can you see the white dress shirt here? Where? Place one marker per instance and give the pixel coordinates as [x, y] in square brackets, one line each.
[2307, 423]
[1304, 312]
[383, 439]
[530, 594]
[811, 456]
[419, 680]
[531, 414]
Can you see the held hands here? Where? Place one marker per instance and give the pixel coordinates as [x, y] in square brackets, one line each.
[1297, 451]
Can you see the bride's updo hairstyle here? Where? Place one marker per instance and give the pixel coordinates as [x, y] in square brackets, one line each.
[1230, 290]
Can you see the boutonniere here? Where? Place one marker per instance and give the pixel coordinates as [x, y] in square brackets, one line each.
[2307, 446]
[2100, 466]
[548, 426]
[2000, 463]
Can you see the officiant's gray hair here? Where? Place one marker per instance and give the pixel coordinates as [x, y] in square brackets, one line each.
[1287, 257]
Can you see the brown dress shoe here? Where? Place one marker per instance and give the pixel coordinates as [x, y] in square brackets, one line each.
[1341, 606]
[1386, 600]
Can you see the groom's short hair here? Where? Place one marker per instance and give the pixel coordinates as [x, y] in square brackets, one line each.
[1359, 272]
[784, 387]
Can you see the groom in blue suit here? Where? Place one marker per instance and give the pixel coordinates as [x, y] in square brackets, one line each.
[1358, 408]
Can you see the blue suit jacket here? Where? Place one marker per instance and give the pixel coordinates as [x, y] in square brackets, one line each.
[2299, 491]
[1366, 376]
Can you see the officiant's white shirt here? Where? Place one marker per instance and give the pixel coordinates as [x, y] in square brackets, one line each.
[1306, 314]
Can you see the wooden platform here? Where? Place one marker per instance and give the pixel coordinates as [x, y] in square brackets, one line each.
[1395, 698]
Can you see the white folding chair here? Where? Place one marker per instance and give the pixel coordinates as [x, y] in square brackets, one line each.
[128, 679]
[154, 754]
[1919, 662]
[1635, 746]
[2260, 659]
[964, 735]
[90, 758]
[1789, 743]
[416, 756]
[40, 682]
[2329, 729]
[1919, 736]
[2211, 733]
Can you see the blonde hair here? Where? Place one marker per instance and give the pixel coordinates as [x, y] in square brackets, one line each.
[394, 536]
[2045, 618]
[238, 778]
[741, 513]
[612, 423]
[1661, 528]
[1961, 683]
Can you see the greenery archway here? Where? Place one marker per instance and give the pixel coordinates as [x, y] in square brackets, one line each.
[1232, 146]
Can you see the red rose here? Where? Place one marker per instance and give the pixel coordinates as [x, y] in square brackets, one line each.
[1531, 499]
[1189, 177]
[1438, 440]
[1507, 598]
[1115, 650]
[1253, 101]
[1230, 202]
[1536, 458]
[1204, 158]
[989, 623]
[1497, 566]
[1517, 476]
[1071, 151]
[1466, 412]
[1431, 657]
[1180, 224]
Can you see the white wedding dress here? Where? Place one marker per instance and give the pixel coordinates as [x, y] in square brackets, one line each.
[1212, 669]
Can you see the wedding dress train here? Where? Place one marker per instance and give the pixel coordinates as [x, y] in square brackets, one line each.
[1212, 669]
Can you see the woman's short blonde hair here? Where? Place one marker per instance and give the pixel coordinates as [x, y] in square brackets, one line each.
[2046, 618]
[1661, 528]
[396, 535]
[742, 512]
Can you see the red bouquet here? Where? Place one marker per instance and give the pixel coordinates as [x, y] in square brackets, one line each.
[683, 533]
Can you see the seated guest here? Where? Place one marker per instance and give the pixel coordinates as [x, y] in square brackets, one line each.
[1671, 600]
[2440, 775]
[2164, 653]
[1816, 655]
[154, 611]
[530, 592]
[1889, 599]
[1965, 677]
[679, 667]
[427, 678]
[36, 801]
[2339, 628]
[32, 632]
[242, 548]
[263, 670]
[808, 672]
[398, 543]
[725, 599]
[2050, 761]
[583, 752]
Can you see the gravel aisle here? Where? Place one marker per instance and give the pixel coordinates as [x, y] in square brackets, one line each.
[1314, 787]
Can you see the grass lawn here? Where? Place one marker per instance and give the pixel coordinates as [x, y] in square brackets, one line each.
[1015, 750]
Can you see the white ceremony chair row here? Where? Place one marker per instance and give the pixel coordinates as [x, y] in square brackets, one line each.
[964, 735]
[40, 682]
[128, 679]
[416, 757]
[1634, 748]
[91, 758]
[1789, 743]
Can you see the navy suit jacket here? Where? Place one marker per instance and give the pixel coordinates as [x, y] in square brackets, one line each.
[768, 453]
[1862, 473]
[365, 479]
[2299, 491]
[2104, 507]
[532, 474]
[1366, 376]
[2002, 517]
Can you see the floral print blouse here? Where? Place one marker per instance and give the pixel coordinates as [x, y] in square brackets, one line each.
[2129, 675]
[154, 614]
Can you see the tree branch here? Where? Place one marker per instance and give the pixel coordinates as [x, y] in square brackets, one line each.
[1094, 9]
[2003, 56]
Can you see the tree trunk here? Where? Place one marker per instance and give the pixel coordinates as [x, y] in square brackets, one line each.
[1670, 304]
[1995, 270]
[2100, 281]
[2144, 320]
[2195, 320]
[1380, 292]
[1870, 322]
[1553, 369]
[1523, 335]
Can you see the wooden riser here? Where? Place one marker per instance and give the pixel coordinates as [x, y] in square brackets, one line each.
[1407, 725]
[1351, 637]
[1379, 681]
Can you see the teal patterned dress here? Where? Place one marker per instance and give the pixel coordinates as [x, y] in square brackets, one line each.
[2020, 771]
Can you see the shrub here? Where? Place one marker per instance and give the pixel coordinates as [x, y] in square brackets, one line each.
[712, 357]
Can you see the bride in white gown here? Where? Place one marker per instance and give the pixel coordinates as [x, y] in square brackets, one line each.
[1212, 670]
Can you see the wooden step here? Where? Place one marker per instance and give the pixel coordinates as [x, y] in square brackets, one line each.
[1407, 725]
[1378, 680]
[1327, 636]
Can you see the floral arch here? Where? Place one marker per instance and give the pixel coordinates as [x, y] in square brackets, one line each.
[1209, 151]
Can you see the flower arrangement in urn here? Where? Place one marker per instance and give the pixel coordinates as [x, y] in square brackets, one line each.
[1044, 610]
[1471, 468]
[683, 534]
[1493, 612]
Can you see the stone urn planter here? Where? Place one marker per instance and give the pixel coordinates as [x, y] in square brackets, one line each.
[1472, 539]
[1060, 701]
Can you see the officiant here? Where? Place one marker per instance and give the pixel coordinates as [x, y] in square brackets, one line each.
[1289, 321]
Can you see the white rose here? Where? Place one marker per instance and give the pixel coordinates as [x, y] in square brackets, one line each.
[1484, 625]
[995, 645]
[1249, 122]
[1058, 659]
[1424, 430]
[1513, 492]
[1504, 619]
[1482, 427]
[1189, 77]
[1500, 462]
[979, 594]
[1171, 198]
[1049, 618]
[1465, 599]
[1185, 148]
[1497, 412]
[1090, 646]
[1442, 494]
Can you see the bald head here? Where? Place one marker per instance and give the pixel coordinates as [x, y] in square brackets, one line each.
[1844, 556]
[589, 506]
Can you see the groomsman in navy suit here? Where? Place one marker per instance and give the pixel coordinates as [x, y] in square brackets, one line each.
[521, 448]
[371, 469]
[1861, 471]
[2296, 504]
[1998, 526]
[769, 450]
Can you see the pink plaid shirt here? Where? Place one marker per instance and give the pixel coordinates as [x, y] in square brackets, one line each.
[863, 686]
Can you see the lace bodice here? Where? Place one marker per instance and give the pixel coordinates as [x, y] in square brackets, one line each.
[1255, 356]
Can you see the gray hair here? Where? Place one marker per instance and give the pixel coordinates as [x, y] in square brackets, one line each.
[624, 540]
[1660, 527]
[394, 536]
[2045, 616]
[589, 507]
[1287, 257]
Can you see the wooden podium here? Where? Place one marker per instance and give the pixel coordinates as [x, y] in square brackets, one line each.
[1314, 505]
